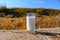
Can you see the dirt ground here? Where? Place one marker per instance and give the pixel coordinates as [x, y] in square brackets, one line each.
[24, 35]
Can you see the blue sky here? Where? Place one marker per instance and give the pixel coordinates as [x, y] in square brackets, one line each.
[55, 4]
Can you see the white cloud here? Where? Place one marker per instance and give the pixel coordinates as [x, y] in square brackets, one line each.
[39, 2]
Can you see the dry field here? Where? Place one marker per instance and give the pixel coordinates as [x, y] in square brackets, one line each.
[20, 23]
[24, 35]
[12, 23]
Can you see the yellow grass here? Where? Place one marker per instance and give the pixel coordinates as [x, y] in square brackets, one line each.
[20, 23]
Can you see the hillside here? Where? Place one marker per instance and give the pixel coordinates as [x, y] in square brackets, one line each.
[15, 18]
[21, 12]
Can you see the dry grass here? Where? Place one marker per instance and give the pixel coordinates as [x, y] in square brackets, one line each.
[20, 23]
[48, 21]
[12, 23]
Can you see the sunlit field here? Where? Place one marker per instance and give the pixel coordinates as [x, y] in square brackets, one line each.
[20, 23]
